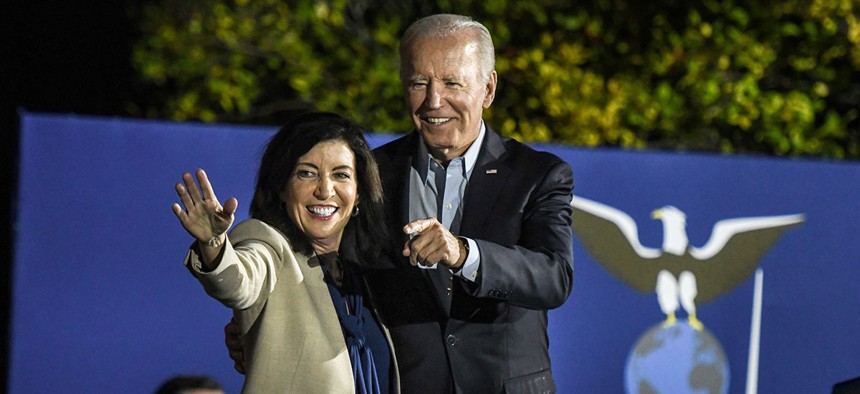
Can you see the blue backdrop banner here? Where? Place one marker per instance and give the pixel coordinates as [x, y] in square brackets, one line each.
[693, 273]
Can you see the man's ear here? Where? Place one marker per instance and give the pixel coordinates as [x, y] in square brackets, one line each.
[491, 89]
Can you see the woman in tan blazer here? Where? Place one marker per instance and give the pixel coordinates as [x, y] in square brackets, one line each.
[293, 272]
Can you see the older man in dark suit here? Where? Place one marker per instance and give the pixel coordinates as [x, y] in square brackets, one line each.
[485, 247]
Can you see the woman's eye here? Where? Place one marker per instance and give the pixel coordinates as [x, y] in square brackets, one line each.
[305, 174]
[342, 175]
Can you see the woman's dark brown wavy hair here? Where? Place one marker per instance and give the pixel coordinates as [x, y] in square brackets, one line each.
[366, 233]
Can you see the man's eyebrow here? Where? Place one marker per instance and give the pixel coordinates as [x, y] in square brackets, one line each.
[447, 78]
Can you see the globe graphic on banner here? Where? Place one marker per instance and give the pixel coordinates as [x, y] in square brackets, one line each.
[677, 359]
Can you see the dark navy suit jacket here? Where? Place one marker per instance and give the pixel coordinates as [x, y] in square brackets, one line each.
[489, 336]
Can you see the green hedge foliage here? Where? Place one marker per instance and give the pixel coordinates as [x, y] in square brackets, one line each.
[778, 78]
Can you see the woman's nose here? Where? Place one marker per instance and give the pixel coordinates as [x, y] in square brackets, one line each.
[324, 189]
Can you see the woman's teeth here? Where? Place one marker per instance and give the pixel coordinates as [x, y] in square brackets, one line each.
[322, 211]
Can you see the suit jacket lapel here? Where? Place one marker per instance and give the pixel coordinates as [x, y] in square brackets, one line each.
[485, 184]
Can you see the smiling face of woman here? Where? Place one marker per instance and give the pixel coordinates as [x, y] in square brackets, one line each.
[321, 194]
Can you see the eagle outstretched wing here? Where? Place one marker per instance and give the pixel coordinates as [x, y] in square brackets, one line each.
[733, 252]
[612, 238]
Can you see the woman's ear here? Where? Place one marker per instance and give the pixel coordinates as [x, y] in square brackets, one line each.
[355, 206]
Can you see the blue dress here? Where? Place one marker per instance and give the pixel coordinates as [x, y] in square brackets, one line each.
[365, 341]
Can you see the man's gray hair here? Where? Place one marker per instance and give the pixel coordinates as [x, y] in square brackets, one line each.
[446, 25]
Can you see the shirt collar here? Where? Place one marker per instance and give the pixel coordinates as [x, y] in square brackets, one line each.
[422, 160]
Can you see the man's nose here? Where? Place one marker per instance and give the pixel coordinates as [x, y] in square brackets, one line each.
[434, 96]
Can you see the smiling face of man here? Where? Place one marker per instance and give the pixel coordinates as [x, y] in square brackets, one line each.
[444, 91]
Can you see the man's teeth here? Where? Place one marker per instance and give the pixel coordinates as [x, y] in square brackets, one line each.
[322, 211]
[437, 120]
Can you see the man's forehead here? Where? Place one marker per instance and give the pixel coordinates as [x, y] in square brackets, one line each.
[454, 63]
[443, 77]
[455, 45]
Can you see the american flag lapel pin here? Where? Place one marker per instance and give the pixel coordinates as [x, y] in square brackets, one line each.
[492, 171]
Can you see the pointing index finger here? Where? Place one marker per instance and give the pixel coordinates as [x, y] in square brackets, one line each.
[417, 226]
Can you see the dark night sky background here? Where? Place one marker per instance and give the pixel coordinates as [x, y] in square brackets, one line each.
[60, 57]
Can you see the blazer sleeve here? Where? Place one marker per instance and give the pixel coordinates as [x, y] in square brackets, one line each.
[248, 271]
[531, 266]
